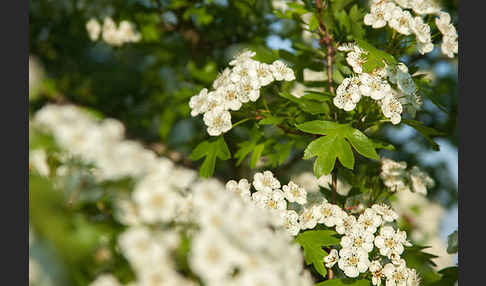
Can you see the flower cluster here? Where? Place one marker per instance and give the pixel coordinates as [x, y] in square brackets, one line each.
[394, 13]
[396, 177]
[377, 85]
[229, 237]
[111, 34]
[369, 233]
[98, 142]
[235, 86]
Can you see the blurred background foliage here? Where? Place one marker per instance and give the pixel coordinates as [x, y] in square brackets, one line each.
[147, 86]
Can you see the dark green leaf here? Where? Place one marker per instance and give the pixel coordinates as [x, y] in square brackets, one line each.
[312, 241]
[211, 150]
[452, 242]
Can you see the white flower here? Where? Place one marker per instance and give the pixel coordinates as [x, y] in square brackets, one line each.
[274, 200]
[358, 239]
[329, 214]
[395, 275]
[370, 220]
[348, 95]
[155, 200]
[390, 241]
[263, 73]
[420, 181]
[423, 7]
[374, 87]
[405, 83]
[356, 60]
[198, 102]
[241, 188]
[353, 262]
[400, 21]
[291, 223]
[295, 193]
[281, 71]
[94, 29]
[332, 258]
[38, 159]
[420, 29]
[222, 79]
[211, 256]
[105, 280]
[392, 109]
[248, 89]
[139, 247]
[308, 218]
[386, 213]
[413, 278]
[214, 99]
[229, 94]
[242, 57]
[242, 70]
[379, 15]
[449, 45]
[394, 174]
[265, 182]
[347, 226]
[425, 47]
[218, 121]
[376, 272]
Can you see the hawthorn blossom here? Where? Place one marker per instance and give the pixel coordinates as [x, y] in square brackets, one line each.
[395, 275]
[263, 73]
[198, 102]
[281, 71]
[376, 272]
[291, 223]
[390, 241]
[370, 220]
[386, 212]
[392, 109]
[374, 87]
[242, 57]
[241, 188]
[420, 181]
[94, 29]
[218, 121]
[295, 193]
[332, 258]
[265, 182]
[358, 240]
[400, 21]
[379, 15]
[347, 95]
[353, 262]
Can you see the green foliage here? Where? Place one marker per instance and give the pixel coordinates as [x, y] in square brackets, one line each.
[449, 277]
[453, 242]
[335, 145]
[211, 150]
[427, 132]
[375, 58]
[312, 241]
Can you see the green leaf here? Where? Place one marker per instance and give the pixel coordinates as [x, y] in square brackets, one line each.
[271, 120]
[426, 131]
[375, 58]
[335, 145]
[452, 242]
[257, 153]
[211, 150]
[313, 22]
[344, 282]
[449, 277]
[310, 106]
[312, 241]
